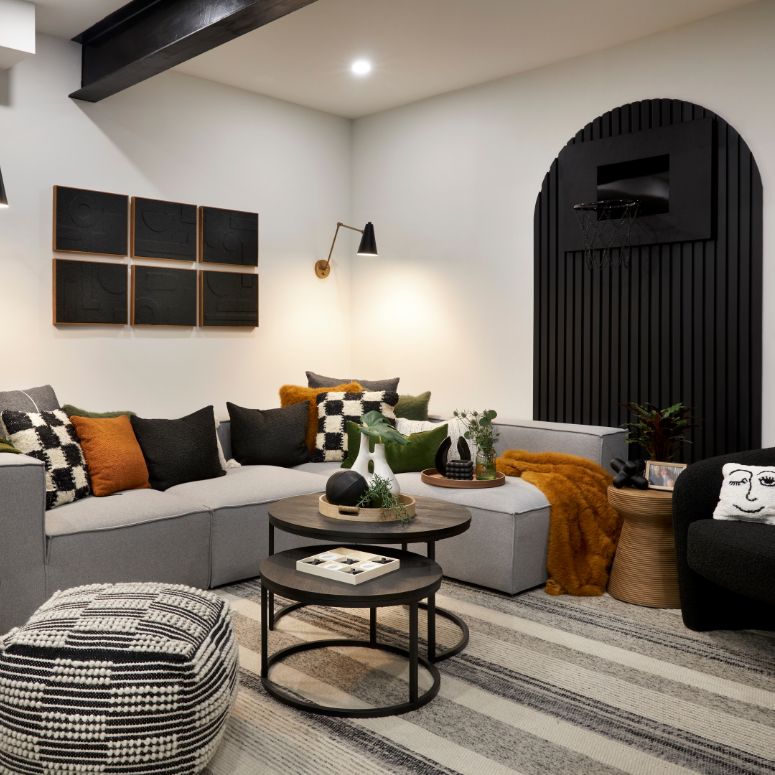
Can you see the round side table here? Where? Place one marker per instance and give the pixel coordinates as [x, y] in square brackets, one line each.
[645, 571]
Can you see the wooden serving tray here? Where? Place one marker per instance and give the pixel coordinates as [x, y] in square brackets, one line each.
[433, 477]
[360, 514]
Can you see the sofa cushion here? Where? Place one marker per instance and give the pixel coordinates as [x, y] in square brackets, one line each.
[736, 555]
[515, 497]
[321, 469]
[250, 485]
[131, 507]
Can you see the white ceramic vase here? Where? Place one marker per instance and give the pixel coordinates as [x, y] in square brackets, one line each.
[381, 467]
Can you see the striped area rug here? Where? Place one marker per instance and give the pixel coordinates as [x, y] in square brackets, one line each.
[547, 685]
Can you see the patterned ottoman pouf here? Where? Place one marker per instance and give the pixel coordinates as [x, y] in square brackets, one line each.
[117, 678]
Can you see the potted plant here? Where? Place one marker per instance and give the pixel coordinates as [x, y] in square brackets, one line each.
[381, 495]
[483, 434]
[659, 432]
[375, 428]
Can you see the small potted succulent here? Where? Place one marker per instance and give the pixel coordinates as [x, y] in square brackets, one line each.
[481, 431]
[374, 427]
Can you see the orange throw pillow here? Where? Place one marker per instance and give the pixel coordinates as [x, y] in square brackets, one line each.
[295, 394]
[113, 455]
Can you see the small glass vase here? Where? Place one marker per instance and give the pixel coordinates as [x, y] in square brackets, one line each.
[485, 464]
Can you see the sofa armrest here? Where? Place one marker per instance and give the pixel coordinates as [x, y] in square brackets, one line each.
[594, 442]
[22, 538]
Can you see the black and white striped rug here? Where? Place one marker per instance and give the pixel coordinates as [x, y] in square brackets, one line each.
[546, 685]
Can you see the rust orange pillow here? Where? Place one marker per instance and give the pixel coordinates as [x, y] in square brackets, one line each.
[113, 455]
[295, 394]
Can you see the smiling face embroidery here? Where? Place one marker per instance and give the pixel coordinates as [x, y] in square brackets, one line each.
[747, 493]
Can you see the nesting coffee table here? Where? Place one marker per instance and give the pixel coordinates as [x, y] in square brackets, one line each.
[417, 578]
[435, 520]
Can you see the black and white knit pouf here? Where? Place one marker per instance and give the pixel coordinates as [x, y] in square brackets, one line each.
[136, 679]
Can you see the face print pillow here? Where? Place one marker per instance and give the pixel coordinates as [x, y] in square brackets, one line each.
[747, 494]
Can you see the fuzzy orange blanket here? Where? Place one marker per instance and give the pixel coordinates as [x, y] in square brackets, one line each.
[583, 529]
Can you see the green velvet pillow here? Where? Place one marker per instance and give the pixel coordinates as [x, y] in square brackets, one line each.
[6, 446]
[418, 454]
[74, 411]
[413, 407]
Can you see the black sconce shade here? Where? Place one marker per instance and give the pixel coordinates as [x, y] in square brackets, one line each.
[368, 246]
[3, 197]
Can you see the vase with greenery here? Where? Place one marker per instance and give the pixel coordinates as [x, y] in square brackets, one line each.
[375, 429]
[380, 495]
[659, 432]
[483, 434]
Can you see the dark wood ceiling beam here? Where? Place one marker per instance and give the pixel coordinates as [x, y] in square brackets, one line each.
[147, 37]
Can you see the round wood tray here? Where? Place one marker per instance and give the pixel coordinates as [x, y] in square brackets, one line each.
[360, 514]
[433, 477]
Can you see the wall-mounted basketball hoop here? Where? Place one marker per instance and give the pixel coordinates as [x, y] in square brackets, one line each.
[606, 226]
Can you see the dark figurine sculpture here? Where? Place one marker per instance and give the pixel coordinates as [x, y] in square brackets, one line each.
[441, 456]
[463, 449]
[629, 473]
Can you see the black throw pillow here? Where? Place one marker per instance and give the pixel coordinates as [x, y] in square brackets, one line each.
[178, 451]
[269, 437]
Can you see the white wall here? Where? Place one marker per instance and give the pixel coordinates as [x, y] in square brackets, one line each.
[451, 182]
[184, 139]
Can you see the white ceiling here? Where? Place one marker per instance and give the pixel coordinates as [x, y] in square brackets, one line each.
[419, 48]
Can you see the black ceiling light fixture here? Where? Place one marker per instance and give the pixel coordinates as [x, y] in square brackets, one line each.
[367, 247]
[3, 197]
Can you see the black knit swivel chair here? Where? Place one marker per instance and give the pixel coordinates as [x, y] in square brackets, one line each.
[726, 570]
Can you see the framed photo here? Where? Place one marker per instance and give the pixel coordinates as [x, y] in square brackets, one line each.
[661, 475]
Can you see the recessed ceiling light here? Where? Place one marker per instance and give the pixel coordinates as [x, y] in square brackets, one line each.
[360, 67]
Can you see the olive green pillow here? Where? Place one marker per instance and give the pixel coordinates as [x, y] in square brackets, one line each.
[413, 407]
[418, 454]
[6, 446]
[74, 411]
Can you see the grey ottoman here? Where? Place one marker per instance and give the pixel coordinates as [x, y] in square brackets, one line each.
[117, 678]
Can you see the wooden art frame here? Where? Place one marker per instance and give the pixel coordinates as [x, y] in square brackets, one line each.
[89, 222]
[162, 230]
[228, 237]
[89, 293]
[163, 296]
[228, 299]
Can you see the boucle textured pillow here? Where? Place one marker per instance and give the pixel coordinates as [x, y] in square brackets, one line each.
[113, 455]
[336, 409]
[295, 394]
[747, 494]
[50, 438]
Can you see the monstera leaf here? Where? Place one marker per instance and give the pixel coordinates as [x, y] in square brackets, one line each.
[375, 426]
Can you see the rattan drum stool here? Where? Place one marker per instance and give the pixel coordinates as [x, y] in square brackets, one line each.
[645, 571]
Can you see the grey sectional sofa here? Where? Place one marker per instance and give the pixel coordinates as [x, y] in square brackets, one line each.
[214, 532]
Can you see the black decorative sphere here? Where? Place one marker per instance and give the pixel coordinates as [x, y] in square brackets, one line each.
[345, 488]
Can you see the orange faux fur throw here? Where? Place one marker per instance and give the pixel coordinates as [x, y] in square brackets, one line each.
[583, 528]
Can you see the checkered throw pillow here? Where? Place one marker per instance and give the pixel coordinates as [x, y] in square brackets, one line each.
[51, 438]
[336, 409]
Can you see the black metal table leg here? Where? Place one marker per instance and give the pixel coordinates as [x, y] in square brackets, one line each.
[373, 626]
[271, 620]
[264, 633]
[433, 654]
[413, 653]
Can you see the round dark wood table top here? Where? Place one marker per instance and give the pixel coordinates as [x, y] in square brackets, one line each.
[416, 579]
[435, 520]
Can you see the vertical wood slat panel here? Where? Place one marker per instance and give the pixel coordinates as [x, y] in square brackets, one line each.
[683, 323]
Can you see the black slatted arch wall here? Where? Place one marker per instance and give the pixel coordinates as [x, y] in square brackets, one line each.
[682, 323]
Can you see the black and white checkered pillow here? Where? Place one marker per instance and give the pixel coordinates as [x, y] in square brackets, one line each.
[51, 438]
[335, 409]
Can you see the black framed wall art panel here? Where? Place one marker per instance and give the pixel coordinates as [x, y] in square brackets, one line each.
[682, 322]
[92, 222]
[163, 297]
[228, 236]
[89, 293]
[163, 230]
[228, 299]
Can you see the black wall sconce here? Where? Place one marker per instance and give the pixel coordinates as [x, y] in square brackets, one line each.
[368, 247]
[3, 197]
